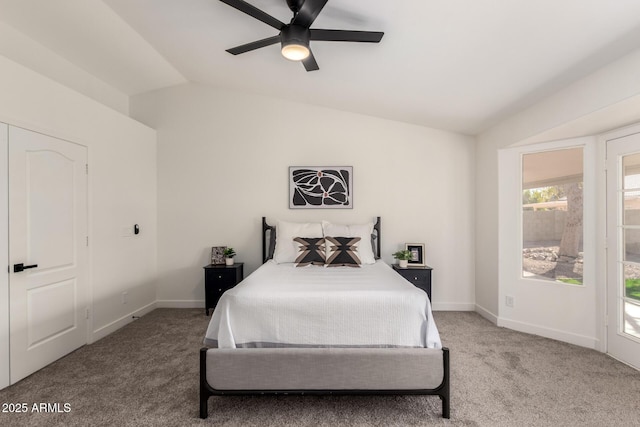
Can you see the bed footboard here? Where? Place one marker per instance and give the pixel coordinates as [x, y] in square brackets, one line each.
[357, 371]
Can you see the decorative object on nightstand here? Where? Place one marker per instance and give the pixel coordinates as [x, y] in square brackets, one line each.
[417, 254]
[229, 253]
[218, 279]
[419, 276]
[403, 258]
[217, 255]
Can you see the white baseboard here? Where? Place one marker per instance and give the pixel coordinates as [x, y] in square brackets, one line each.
[486, 314]
[180, 303]
[124, 320]
[555, 334]
[453, 306]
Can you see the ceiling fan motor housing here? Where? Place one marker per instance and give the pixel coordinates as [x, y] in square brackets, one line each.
[295, 34]
[295, 42]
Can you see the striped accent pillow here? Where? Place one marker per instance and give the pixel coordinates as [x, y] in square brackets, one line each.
[342, 251]
[311, 251]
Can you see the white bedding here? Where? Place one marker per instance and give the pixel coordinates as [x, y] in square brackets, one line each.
[280, 305]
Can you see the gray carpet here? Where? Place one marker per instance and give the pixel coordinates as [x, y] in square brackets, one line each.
[147, 374]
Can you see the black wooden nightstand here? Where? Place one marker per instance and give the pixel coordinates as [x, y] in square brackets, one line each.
[218, 279]
[419, 276]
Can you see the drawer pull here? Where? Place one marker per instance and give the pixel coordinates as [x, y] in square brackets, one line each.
[219, 290]
[415, 278]
[219, 277]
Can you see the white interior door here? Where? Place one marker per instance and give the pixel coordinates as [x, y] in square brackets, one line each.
[48, 252]
[623, 255]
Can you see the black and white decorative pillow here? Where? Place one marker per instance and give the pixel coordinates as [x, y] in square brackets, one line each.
[311, 251]
[342, 251]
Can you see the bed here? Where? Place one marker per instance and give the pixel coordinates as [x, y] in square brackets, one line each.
[321, 330]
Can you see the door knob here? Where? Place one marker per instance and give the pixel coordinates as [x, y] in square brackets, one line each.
[17, 268]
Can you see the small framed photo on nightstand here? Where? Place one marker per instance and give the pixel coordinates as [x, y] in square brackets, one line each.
[417, 254]
[217, 255]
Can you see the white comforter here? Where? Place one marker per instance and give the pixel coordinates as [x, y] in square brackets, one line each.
[280, 305]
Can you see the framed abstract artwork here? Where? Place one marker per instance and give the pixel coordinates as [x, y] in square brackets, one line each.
[417, 254]
[217, 255]
[322, 187]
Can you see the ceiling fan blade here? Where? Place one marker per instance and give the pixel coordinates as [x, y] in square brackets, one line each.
[310, 63]
[254, 45]
[253, 11]
[308, 12]
[346, 36]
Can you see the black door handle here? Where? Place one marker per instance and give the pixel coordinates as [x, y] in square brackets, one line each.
[17, 268]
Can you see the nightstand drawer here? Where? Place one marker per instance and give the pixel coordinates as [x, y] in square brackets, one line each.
[219, 277]
[416, 278]
[218, 288]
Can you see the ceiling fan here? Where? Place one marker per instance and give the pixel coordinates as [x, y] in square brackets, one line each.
[296, 35]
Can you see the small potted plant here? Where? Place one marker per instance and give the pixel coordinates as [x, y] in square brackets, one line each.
[229, 253]
[403, 258]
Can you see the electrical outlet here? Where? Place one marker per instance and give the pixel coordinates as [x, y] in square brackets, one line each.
[509, 301]
[123, 297]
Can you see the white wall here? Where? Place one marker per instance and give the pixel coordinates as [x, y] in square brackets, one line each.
[122, 188]
[223, 161]
[4, 256]
[607, 99]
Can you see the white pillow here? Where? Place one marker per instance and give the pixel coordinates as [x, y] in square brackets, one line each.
[363, 231]
[286, 248]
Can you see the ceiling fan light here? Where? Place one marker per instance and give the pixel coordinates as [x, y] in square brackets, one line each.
[295, 42]
[295, 52]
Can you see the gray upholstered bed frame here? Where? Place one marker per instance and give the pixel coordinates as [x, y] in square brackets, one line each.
[354, 371]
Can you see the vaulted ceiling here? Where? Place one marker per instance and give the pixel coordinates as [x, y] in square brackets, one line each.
[459, 65]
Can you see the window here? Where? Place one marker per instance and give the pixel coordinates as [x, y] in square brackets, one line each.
[631, 234]
[552, 215]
